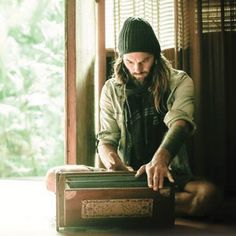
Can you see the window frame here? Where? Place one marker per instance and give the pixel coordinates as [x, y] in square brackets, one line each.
[70, 82]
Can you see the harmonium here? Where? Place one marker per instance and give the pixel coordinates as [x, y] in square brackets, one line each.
[111, 199]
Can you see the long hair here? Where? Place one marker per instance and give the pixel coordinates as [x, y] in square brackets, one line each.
[159, 84]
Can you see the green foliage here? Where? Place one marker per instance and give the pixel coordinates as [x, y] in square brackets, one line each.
[31, 86]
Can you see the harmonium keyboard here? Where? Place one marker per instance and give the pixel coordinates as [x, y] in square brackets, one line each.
[111, 199]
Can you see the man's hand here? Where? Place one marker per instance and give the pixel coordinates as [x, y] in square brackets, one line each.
[113, 162]
[157, 170]
[110, 158]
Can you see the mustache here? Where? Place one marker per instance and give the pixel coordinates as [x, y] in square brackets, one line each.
[138, 74]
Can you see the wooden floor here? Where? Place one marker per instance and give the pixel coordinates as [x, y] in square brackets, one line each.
[28, 209]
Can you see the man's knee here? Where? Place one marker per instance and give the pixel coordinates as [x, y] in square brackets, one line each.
[207, 197]
[50, 178]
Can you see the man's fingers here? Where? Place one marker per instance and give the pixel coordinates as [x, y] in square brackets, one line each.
[140, 171]
[123, 167]
[150, 179]
[161, 182]
[170, 177]
[155, 182]
[129, 168]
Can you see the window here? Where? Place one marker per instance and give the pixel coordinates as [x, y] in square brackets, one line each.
[159, 13]
[31, 86]
[218, 16]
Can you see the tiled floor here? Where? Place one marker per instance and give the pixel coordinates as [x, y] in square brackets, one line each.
[28, 209]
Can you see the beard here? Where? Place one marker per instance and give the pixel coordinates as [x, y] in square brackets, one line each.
[143, 80]
[140, 77]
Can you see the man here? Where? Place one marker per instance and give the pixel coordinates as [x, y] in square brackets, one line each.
[147, 116]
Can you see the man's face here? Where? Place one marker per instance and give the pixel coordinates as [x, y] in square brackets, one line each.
[138, 64]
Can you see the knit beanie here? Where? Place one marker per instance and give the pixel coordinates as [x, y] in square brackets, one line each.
[137, 35]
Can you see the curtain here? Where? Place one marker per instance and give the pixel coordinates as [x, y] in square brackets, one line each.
[85, 63]
[206, 49]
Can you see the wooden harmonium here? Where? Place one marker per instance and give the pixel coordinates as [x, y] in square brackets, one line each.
[111, 199]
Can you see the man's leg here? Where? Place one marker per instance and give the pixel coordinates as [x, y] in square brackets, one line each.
[199, 198]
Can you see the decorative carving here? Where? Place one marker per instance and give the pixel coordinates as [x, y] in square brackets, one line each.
[115, 208]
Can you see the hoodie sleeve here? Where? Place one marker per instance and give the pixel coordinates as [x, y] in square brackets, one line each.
[181, 100]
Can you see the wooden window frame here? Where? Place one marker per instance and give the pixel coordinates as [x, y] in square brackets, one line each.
[70, 82]
[70, 73]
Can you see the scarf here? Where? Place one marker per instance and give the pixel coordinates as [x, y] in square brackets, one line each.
[143, 122]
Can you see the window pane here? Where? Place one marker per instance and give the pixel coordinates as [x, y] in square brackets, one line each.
[159, 13]
[31, 86]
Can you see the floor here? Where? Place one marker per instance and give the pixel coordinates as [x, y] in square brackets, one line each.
[28, 209]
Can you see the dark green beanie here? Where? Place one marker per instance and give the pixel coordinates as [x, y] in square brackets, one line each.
[137, 35]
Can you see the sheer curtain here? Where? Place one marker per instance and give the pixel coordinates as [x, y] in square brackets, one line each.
[206, 49]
